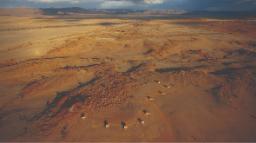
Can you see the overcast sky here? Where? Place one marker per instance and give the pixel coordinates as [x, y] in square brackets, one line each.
[137, 4]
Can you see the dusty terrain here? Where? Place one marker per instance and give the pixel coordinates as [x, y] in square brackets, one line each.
[127, 80]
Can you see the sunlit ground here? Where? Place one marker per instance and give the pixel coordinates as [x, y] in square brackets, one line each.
[127, 80]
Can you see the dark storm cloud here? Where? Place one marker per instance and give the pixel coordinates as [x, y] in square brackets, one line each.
[219, 4]
[139, 4]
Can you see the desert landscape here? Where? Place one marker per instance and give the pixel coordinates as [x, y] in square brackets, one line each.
[90, 78]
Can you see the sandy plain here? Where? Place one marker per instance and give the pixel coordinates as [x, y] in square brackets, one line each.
[127, 79]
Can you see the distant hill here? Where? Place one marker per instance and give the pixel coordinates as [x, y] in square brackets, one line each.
[124, 13]
[77, 10]
[20, 12]
[221, 14]
[73, 10]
